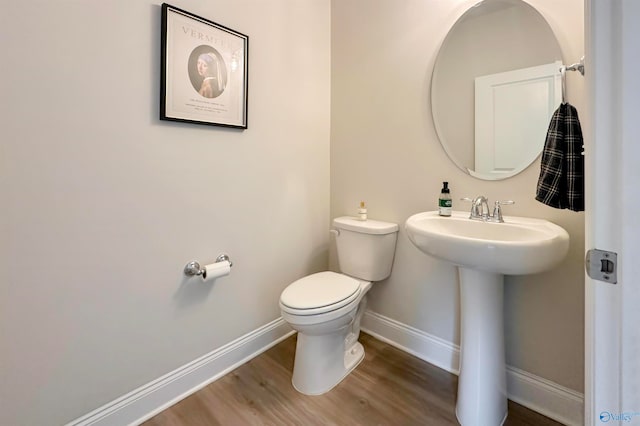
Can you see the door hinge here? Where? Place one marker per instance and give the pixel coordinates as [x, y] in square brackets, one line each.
[602, 265]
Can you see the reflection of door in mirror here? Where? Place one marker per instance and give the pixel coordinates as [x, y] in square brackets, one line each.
[492, 37]
[512, 112]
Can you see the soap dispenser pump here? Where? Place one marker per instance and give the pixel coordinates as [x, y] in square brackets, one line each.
[444, 202]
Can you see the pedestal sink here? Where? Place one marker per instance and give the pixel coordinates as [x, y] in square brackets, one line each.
[484, 252]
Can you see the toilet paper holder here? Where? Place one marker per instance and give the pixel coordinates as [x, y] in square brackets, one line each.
[193, 268]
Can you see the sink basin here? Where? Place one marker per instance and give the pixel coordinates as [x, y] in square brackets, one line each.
[518, 246]
[484, 252]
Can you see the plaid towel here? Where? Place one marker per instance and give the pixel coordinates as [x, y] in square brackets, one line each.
[561, 181]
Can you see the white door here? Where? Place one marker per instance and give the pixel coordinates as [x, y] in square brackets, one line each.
[512, 111]
[612, 148]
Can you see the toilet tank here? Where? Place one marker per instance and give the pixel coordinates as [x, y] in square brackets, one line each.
[365, 248]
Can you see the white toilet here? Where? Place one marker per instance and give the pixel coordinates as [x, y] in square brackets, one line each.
[326, 308]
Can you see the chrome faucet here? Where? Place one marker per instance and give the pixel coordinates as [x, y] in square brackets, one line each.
[480, 209]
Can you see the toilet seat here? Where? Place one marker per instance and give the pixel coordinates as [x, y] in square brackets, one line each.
[319, 293]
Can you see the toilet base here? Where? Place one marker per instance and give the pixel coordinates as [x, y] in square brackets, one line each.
[353, 357]
[317, 370]
[327, 349]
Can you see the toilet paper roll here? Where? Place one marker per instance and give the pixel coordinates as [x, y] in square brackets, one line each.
[216, 270]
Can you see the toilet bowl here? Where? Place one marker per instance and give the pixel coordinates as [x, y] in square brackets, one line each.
[327, 348]
[326, 308]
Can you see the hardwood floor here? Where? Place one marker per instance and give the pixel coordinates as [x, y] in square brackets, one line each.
[389, 387]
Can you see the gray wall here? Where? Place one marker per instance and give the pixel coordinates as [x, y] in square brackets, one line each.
[384, 150]
[103, 204]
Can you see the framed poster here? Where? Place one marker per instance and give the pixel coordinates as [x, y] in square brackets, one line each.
[204, 71]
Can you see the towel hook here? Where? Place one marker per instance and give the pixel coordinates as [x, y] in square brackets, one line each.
[563, 76]
[578, 66]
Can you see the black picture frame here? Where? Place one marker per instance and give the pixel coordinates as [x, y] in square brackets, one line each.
[204, 71]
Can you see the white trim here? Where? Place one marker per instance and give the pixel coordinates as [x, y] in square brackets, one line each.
[534, 392]
[422, 345]
[604, 226]
[612, 338]
[145, 402]
[546, 397]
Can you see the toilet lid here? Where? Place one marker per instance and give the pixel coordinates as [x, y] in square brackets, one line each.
[328, 290]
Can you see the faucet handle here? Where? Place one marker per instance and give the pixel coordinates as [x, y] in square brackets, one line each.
[497, 211]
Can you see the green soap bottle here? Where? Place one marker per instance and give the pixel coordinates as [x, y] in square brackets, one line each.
[444, 202]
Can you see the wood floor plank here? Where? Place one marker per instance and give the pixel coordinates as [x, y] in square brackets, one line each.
[389, 387]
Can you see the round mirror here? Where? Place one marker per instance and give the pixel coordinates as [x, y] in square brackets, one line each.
[495, 85]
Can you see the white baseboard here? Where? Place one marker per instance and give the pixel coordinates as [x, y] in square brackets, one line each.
[145, 402]
[534, 392]
[422, 345]
[546, 397]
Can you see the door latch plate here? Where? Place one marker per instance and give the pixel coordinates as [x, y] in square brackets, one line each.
[602, 265]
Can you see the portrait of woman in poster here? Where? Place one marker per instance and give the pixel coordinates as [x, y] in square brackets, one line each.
[209, 68]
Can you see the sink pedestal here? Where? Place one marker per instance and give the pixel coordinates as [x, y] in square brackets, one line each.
[482, 384]
[484, 252]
